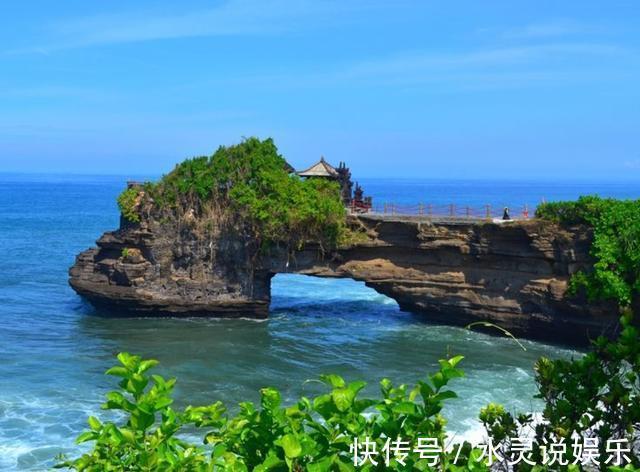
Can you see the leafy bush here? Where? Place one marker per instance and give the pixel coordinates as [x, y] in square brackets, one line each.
[596, 396]
[615, 247]
[580, 211]
[250, 181]
[313, 434]
[128, 202]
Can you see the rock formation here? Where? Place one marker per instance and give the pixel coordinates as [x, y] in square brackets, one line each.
[455, 272]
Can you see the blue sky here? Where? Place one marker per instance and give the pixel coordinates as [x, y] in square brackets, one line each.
[467, 89]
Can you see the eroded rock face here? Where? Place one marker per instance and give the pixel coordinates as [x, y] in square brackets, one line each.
[514, 275]
[172, 268]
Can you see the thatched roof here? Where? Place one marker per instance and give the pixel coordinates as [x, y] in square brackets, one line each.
[320, 169]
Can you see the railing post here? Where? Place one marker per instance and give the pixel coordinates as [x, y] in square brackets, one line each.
[468, 212]
[451, 210]
[420, 209]
[488, 211]
[430, 210]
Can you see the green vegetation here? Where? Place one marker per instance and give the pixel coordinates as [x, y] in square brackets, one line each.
[313, 434]
[615, 247]
[250, 183]
[352, 237]
[128, 202]
[597, 396]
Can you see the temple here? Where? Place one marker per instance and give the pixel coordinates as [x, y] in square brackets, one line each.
[320, 169]
[354, 200]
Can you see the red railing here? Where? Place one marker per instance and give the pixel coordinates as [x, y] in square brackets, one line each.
[360, 207]
[450, 210]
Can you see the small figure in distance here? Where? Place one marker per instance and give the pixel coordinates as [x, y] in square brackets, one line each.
[505, 214]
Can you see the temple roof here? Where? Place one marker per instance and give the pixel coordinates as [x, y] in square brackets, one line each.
[320, 169]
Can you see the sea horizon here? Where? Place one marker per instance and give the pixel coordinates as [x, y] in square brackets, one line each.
[516, 179]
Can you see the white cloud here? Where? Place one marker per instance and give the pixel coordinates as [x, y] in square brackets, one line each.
[52, 91]
[632, 164]
[493, 68]
[233, 17]
[549, 29]
[481, 58]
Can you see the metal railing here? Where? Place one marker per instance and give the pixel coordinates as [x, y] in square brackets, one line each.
[450, 211]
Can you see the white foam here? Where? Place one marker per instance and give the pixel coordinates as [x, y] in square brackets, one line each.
[9, 454]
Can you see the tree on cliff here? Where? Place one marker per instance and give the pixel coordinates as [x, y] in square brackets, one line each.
[615, 247]
[251, 183]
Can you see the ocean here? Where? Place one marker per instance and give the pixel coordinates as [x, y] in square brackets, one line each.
[54, 349]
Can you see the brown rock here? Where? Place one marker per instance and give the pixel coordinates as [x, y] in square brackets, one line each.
[455, 272]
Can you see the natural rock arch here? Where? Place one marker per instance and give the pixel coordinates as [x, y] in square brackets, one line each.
[512, 274]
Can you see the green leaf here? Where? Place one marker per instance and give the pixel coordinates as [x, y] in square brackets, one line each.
[455, 360]
[438, 380]
[86, 436]
[272, 462]
[291, 446]
[406, 408]
[94, 423]
[270, 398]
[146, 365]
[324, 405]
[128, 360]
[445, 395]
[343, 398]
[333, 380]
[355, 387]
[323, 465]
[128, 435]
[162, 403]
[118, 371]
[386, 386]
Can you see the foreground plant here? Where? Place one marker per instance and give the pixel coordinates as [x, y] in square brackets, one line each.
[147, 439]
[592, 402]
[315, 434]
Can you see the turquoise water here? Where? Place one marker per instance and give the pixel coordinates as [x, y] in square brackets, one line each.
[54, 350]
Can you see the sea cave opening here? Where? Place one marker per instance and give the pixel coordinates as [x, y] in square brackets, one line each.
[326, 295]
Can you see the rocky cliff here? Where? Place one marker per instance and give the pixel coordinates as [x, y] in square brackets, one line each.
[456, 272]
